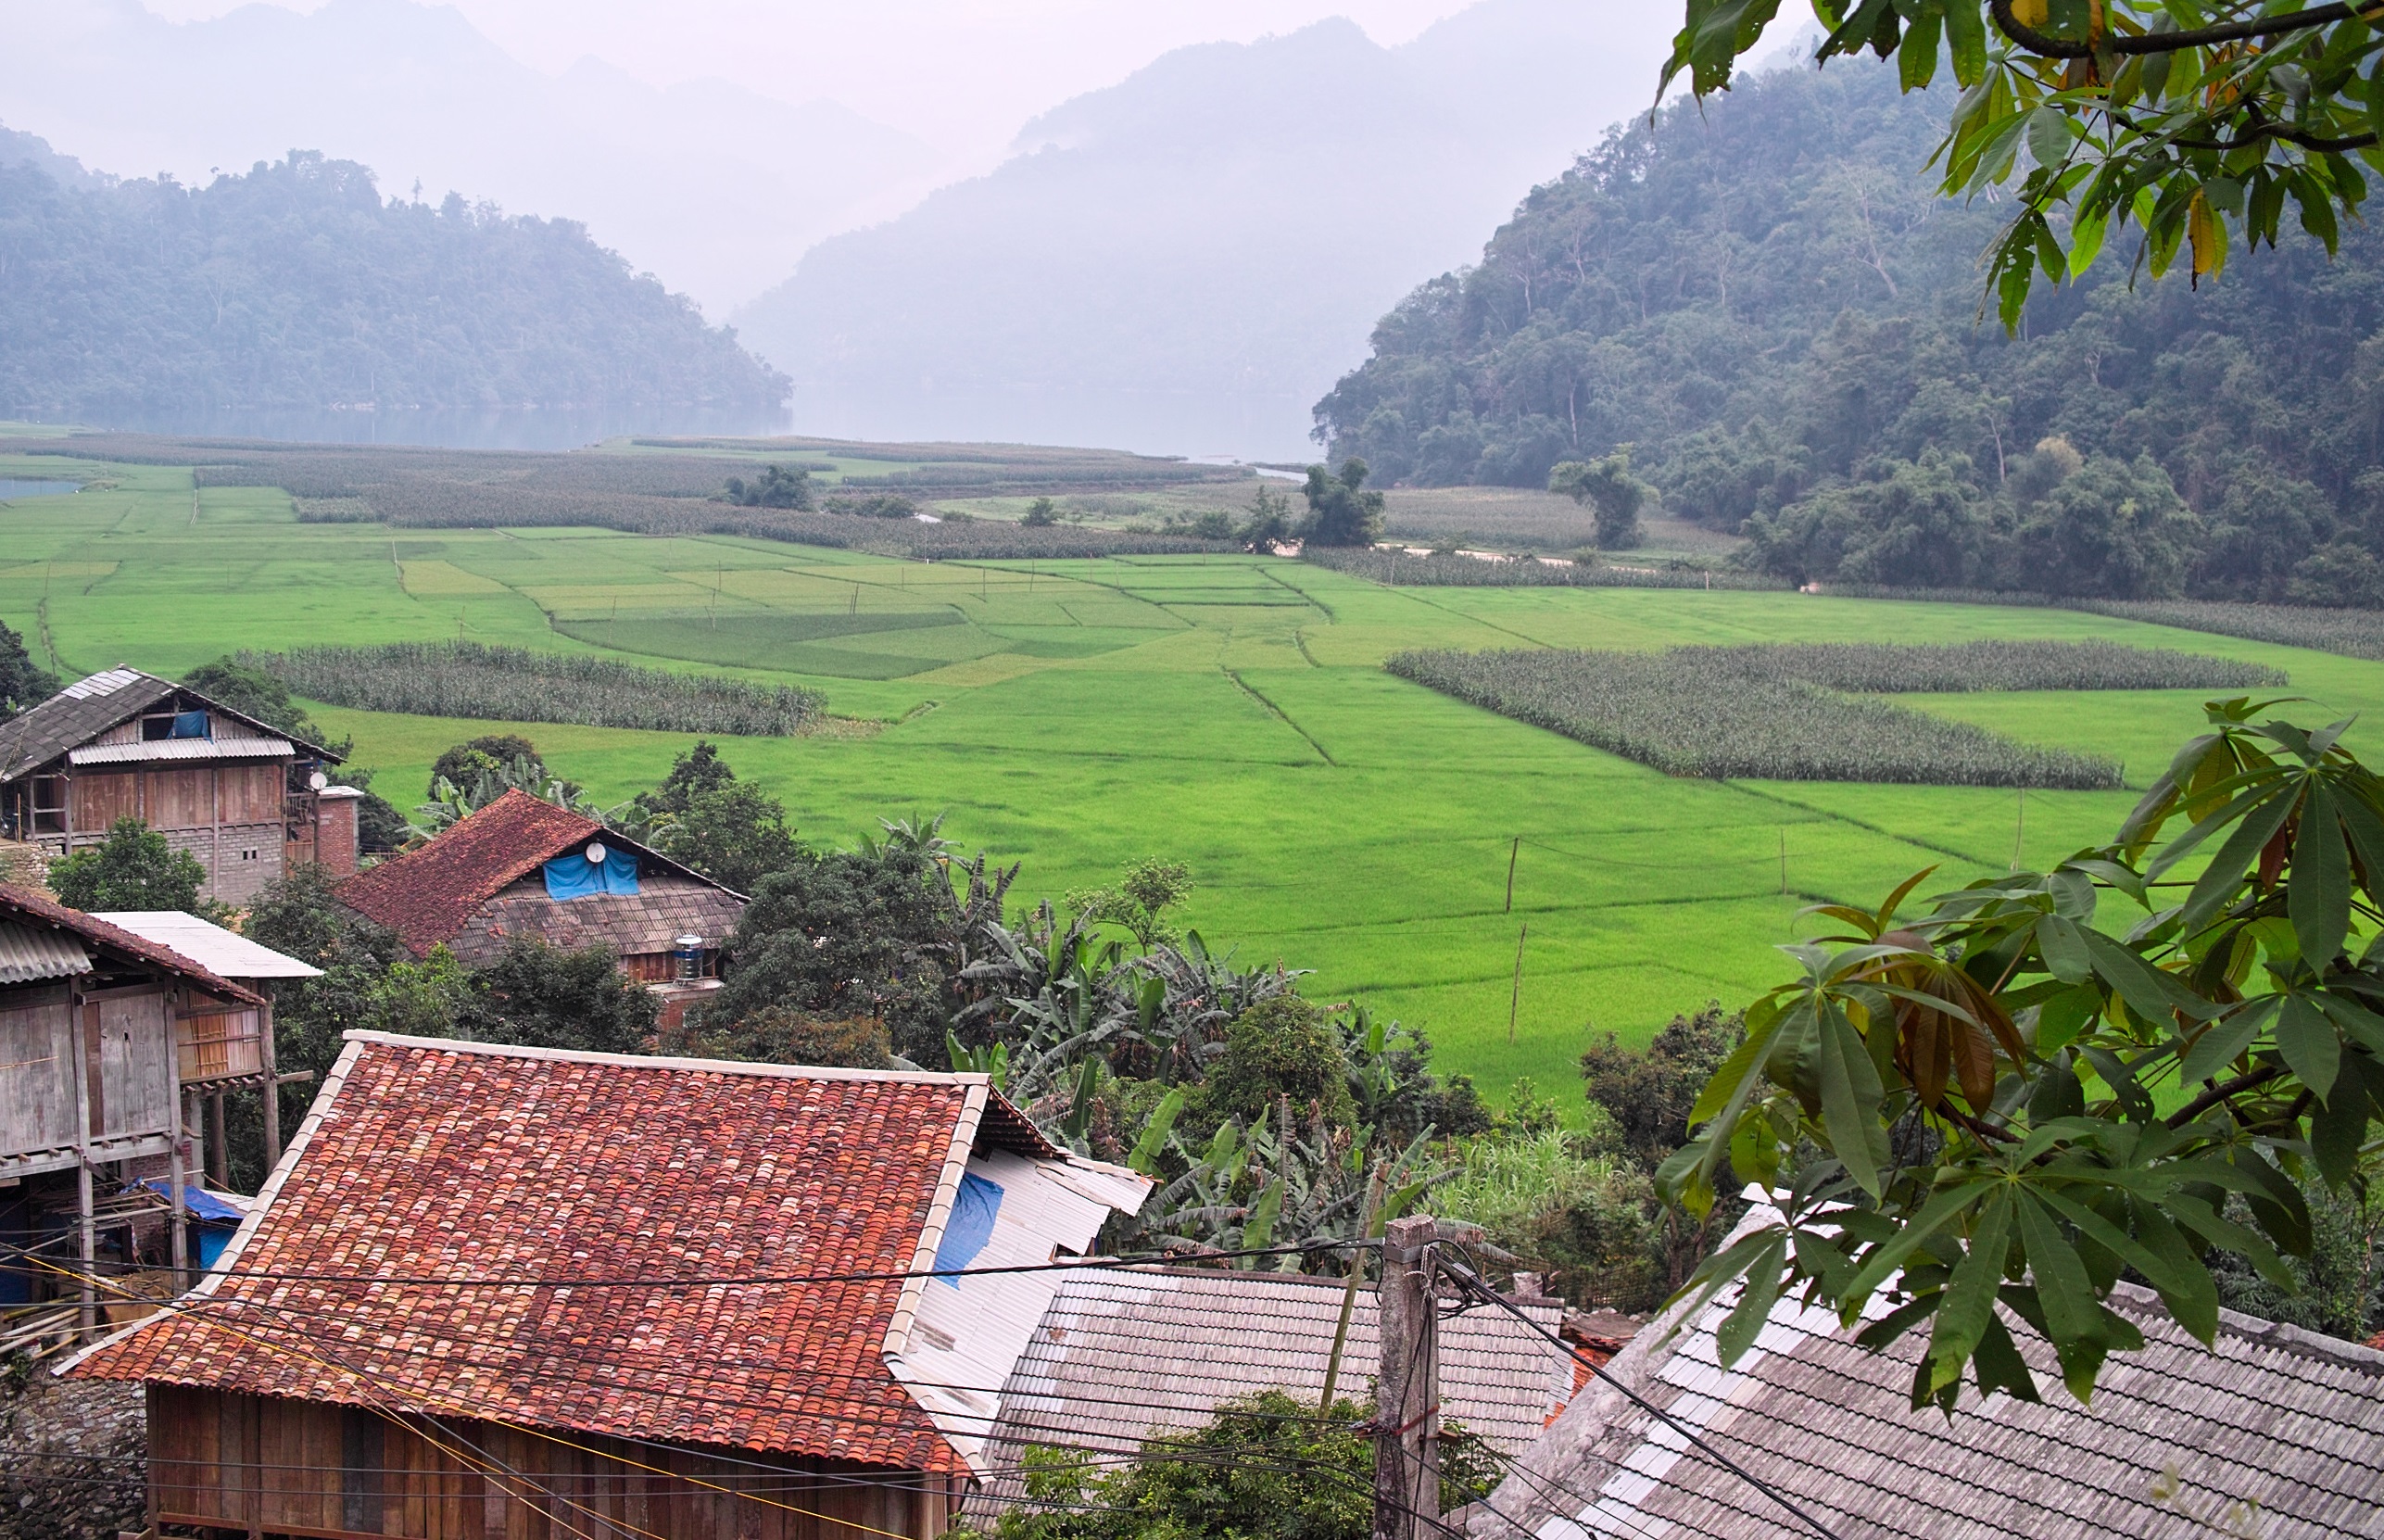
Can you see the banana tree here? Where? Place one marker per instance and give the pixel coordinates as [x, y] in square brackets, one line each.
[1988, 1110]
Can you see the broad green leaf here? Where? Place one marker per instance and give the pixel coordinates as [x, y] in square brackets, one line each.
[2150, 993]
[2225, 874]
[1970, 1297]
[2338, 1129]
[1850, 1093]
[1738, 1329]
[2219, 1044]
[2066, 957]
[2073, 1315]
[2318, 898]
[1883, 1261]
[2310, 1045]
[2185, 1285]
[2060, 1018]
[2001, 1367]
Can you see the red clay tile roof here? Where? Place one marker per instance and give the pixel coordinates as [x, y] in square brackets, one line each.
[425, 895]
[428, 895]
[25, 906]
[461, 1161]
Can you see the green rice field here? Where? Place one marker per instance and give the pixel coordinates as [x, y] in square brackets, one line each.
[1228, 712]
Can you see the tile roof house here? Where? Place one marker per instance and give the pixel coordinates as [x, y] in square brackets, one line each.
[1120, 1355]
[521, 867]
[2271, 1432]
[531, 1293]
[237, 793]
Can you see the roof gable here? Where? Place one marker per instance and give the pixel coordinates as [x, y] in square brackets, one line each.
[93, 704]
[644, 1182]
[37, 916]
[425, 895]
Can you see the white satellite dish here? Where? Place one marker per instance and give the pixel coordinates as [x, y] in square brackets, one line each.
[596, 852]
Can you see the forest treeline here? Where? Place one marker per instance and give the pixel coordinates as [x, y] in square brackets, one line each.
[297, 286]
[1765, 303]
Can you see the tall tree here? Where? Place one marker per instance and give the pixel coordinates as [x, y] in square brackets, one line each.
[23, 683]
[1342, 511]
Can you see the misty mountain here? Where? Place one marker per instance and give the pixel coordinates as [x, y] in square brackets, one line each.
[297, 286]
[711, 186]
[1186, 260]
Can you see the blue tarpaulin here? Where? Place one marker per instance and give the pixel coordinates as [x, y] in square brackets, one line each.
[191, 725]
[971, 1224]
[202, 1204]
[575, 876]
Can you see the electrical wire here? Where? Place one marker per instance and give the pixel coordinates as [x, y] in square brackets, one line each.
[1471, 1282]
[1072, 1264]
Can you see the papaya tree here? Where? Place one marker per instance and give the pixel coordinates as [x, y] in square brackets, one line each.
[2199, 121]
[1988, 1107]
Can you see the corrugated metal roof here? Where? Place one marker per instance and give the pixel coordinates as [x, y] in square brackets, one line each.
[27, 955]
[182, 749]
[76, 714]
[212, 947]
[967, 1333]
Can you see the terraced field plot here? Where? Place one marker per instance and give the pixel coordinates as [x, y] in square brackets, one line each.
[1228, 712]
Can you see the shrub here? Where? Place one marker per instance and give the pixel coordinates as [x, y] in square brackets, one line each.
[1586, 1218]
[542, 996]
[776, 488]
[737, 835]
[1690, 711]
[463, 763]
[782, 1034]
[514, 684]
[1277, 1048]
[133, 868]
[1644, 1095]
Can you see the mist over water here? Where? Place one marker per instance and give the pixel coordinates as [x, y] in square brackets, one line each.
[1195, 424]
[449, 428]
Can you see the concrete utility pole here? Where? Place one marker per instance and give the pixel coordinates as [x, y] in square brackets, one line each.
[1407, 1411]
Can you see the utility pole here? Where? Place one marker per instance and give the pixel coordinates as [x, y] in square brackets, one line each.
[1407, 1412]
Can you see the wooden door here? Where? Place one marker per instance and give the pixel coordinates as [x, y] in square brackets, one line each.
[130, 1049]
[36, 1072]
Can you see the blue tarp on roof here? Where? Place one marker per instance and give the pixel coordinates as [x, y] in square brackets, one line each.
[575, 877]
[971, 1224]
[202, 1204]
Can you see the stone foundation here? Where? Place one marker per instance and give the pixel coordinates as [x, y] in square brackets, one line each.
[73, 1456]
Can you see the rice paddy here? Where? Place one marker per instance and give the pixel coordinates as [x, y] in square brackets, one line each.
[1228, 712]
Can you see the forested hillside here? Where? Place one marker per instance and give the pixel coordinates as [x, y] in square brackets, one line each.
[1768, 305]
[297, 286]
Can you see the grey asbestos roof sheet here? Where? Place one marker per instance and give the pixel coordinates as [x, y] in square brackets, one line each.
[75, 714]
[1120, 1355]
[28, 955]
[2272, 1431]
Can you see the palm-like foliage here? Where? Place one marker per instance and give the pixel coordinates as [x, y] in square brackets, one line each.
[2018, 1094]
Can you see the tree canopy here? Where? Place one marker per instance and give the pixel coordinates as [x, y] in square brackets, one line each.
[1991, 1107]
[2189, 118]
[133, 868]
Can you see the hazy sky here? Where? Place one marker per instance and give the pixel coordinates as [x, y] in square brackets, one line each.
[963, 74]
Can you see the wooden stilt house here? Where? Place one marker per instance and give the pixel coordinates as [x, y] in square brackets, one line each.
[98, 1028]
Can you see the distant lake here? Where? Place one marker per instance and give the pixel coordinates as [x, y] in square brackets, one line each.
[449, 428]
[9, 489]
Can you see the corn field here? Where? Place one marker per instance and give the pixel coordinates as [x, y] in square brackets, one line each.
[514, 684]
[1885, 669]
[1720, 712]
